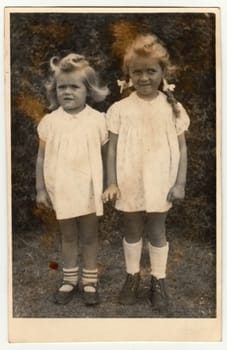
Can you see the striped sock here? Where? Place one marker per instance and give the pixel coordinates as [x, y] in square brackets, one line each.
[71, 276]
[89, 277]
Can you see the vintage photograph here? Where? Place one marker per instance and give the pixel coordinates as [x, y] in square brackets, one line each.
[113, 124]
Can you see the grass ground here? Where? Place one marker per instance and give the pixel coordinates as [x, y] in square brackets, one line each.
[37, 273]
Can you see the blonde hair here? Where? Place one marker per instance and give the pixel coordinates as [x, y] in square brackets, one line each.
[71, 63]
[147, 45]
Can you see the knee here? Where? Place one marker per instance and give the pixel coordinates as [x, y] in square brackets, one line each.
[157, 236]
[156, 230]
[68, 229]
[133, 235]
[157, 240]
[133, 227]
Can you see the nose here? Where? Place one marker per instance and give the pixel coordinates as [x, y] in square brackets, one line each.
[68, 90]
[144, 76]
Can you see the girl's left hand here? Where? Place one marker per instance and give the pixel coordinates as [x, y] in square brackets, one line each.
[112, 193]
[176, 192]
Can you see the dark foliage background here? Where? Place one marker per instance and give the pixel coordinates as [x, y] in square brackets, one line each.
[190, 39]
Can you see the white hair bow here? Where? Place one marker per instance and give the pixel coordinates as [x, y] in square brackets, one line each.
[124, 84]
[167, 86]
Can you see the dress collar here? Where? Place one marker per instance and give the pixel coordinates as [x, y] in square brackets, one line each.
[137, 98]
[71, 116]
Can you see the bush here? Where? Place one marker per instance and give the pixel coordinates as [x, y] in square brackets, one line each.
[190, 39]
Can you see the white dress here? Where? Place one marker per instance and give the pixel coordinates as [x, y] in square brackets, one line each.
[147, 151]
[73, 170]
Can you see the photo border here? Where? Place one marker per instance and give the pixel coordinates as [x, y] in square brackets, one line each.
[110, 330]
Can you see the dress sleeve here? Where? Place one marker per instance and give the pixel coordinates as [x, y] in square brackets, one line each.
[104, 135]
[44, 127]
[113, 119]
[182, 122]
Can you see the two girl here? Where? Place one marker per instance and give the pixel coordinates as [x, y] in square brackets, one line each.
[146, 166]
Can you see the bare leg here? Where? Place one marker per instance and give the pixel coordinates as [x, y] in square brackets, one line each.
[69, 231]
[88, 225]
[133, 223]
[155, 228]
[89, 238]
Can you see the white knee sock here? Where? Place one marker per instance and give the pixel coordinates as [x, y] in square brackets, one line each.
[158, 260]
[132, 253]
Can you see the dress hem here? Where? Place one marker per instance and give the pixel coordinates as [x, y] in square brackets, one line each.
[77, 216]
[163, 210]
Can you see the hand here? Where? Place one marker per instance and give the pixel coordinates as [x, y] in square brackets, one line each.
[176, 192]
[42, 199]
[112, 193]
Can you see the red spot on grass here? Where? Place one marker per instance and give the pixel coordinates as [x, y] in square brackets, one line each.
[53, 265]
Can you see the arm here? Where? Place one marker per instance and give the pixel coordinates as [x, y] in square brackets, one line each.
[42, 197]
[112, 191]
[104, 157]
[111, 160]
[178, 190]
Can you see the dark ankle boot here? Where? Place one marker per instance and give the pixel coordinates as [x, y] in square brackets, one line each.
[128, 294]
[158, 294]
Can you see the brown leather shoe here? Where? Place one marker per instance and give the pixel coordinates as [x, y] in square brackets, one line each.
[91, 298]
[128, 294]
[63, 298]
[158, 294]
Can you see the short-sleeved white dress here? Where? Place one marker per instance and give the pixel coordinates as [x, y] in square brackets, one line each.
[73, 170]
[147, 151]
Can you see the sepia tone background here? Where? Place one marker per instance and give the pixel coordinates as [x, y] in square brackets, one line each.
[191, 225]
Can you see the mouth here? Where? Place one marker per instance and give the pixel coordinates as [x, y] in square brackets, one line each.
[68, 99]
[145, 85]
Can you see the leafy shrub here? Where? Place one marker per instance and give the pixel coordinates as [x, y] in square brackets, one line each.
[190, 39]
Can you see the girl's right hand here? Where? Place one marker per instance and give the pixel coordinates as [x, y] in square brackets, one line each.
[112, 193]
[42, 199]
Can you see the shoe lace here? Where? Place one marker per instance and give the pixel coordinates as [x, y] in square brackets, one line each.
[131, 282]
[159, 286]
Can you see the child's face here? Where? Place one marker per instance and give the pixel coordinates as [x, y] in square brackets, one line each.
[71, 91]
[146, 75]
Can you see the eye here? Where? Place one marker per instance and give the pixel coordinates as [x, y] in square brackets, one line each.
[136, 71]
[151, 70]
[74, 86]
